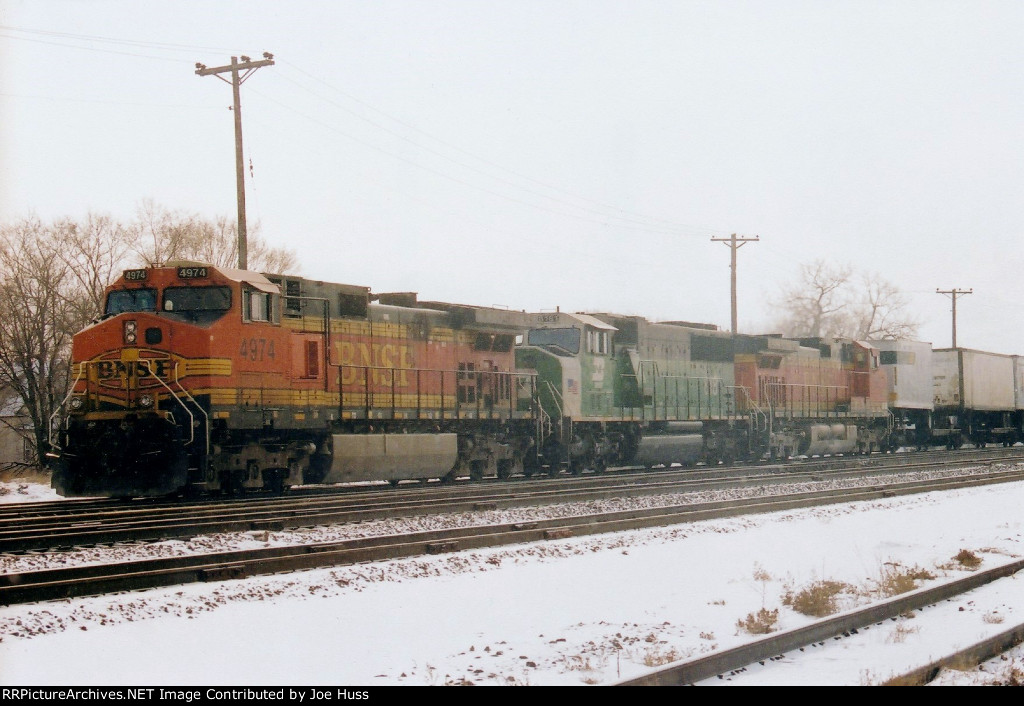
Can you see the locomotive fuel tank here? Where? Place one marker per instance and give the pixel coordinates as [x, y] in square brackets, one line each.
[391, 457]
[656, 450]
[829, 439]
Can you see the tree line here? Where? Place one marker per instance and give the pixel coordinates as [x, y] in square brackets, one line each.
[55, 274]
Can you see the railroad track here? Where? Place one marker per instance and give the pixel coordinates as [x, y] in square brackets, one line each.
[50, 584]
[723, 663]
[68, 524]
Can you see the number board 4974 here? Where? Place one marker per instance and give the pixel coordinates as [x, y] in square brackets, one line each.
[192, 272]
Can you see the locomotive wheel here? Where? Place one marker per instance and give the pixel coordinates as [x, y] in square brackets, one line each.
[508, 467]
[275, 482]
[236, 482]
[476, 470]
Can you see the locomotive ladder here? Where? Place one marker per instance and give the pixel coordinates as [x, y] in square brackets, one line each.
[60, 407]
[191, 417]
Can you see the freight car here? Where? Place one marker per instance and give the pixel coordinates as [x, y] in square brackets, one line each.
[199, 378]
[952, 396]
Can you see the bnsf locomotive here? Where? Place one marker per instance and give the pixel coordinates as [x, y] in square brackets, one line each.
[198, 379]
[205, 378]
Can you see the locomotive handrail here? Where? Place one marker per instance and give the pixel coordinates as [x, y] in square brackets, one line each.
[806, 405]
[718, 382]
[206, 417]
[192, 419]
[556, 397]
[71, 391]
[474, 377]
[714, 388]
[754, 407]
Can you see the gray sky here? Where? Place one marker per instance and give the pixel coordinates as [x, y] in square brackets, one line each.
[536, 154]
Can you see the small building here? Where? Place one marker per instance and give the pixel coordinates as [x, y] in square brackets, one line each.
[16, 436]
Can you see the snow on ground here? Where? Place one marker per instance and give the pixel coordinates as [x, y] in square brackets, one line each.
[569, 612]
[26, 492]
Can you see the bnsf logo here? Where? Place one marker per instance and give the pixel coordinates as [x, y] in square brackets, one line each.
[107, 369]
[113, 373]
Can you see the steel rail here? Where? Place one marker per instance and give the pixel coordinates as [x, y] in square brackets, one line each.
[722, 662]
[104, 578]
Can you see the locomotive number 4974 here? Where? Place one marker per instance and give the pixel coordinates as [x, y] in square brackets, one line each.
[256, 349]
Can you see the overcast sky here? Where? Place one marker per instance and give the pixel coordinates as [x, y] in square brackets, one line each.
[536, 154]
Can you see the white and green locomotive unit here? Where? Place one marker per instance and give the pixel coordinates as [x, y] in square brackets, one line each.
[621, 390]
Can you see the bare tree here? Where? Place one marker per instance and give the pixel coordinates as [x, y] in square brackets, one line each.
[160, 234]
[94, 250]
[38, 315]
[165, 235]
[880, 311]
[814, 306]
[829, 301]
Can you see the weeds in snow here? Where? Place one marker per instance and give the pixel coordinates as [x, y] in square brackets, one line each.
[818, 599]
[760, 623]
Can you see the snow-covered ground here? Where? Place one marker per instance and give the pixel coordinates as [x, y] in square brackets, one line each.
[569, 612]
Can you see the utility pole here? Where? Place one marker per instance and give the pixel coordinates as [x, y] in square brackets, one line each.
[239, 72]
[954, 293]
[735, 244]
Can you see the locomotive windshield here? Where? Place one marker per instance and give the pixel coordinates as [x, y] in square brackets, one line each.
[198, 304]
[565, 339]
[122, 300]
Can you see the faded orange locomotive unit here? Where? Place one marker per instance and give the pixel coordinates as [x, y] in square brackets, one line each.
[206, 378]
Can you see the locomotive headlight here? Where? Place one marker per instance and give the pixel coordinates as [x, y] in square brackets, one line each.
[146, 401]
[77, 403]
[130, 329]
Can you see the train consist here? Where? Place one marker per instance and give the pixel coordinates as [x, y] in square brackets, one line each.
[202, 379]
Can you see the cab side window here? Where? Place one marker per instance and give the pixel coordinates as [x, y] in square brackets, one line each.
[259, 306]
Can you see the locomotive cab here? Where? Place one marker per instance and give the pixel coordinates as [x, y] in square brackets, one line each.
[137, 420]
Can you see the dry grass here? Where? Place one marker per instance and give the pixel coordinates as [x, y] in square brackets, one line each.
[760, 623]
[818, 599]
[659, 655]
[1013, 676]
[900, 633]
[575, 663]
[895, 579]
[992, 618]
[967, 559]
